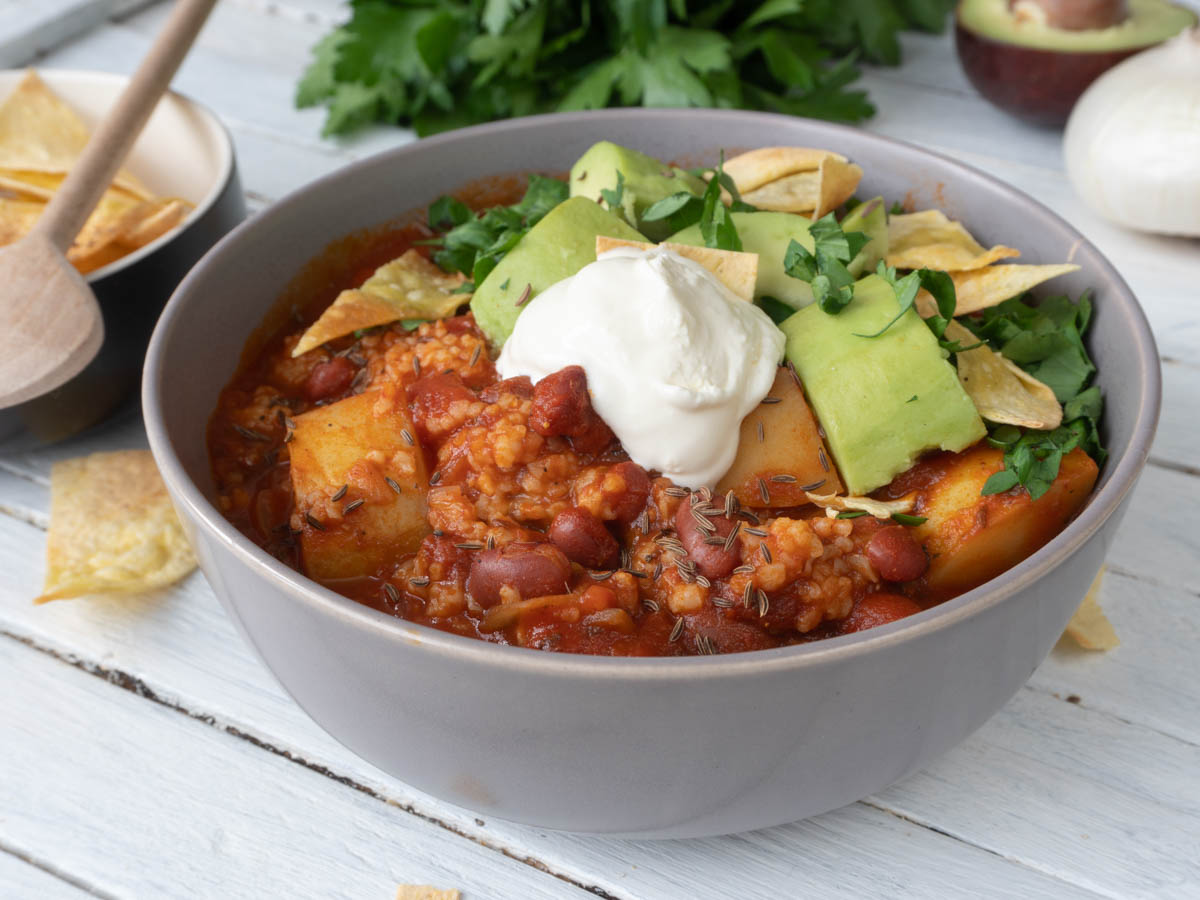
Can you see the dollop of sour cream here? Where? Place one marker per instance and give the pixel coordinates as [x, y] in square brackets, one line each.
[674, 359]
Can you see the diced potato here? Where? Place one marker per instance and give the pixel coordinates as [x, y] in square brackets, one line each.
[358, 442]
[971, 538]
[791, 448]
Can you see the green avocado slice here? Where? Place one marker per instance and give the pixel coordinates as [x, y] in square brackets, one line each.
[646, 181]
[1149, 22]
[882, 401]
[555, 248]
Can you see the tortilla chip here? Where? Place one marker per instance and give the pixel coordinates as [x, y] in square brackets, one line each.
[929, 240]
[981, 288]
[98, 242]
[409, 287]
[41, 133]
[154, 219]
[815, 192]
[880, 509]
[737, 271]
[112, 528]
[752, 170]
[1001, 390]
[1089, 627]
[425, 892]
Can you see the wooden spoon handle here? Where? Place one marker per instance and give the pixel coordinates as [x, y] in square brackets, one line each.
[84, 185]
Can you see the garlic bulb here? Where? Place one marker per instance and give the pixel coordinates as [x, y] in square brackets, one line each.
[1132, 144]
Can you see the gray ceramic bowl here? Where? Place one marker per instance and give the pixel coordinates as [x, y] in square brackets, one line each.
[184, 151]
[637, 747]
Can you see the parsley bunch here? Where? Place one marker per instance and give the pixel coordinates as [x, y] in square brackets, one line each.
[441, 65]
[1046, 340]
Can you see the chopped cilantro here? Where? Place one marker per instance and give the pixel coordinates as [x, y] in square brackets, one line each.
[474, 245]
[612, 197]
[1046, 340]
[504, 284]
[825, 268]
[912, 399]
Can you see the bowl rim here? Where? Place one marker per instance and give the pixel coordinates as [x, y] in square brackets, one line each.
[1102, 505]
[225, 161]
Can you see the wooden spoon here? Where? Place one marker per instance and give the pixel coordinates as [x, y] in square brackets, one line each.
[50, 323]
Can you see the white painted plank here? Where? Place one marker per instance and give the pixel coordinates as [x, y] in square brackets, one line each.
[1178, 440]
[141, 800]
[30, 27]
[116, 744]
[19, 878]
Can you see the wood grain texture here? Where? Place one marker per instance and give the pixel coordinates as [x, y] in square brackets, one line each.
[1052, 798]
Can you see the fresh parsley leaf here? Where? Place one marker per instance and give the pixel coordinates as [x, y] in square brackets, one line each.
[904, 519]
[613, 197]
[825, 267]
[445, 65]
[851, 513]
[474, 245]
[776, 309]
[716, 223]
[1046, 340]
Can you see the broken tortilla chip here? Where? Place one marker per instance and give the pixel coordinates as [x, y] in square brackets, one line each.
[880, 509]
[409, 287]
[1001, 390]
[816, 192]
[929, 240]
[737, 271]
[755, 168]
[990, 286]
[1089, 627]
[112, 528]
[41, 133]
[425, 892]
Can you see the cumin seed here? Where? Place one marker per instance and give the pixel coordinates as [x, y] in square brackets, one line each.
[703, 581]
[766, 552]
[469, 545]
[676, 631]
[821, 457]
[408, 438]
[392, 483]
[392, 594]
[813, 486]
[732, 536]
[475, 356]
[763, 492]
[314, 522]
[601, 576]
[352, 506]
[674, 491]
[762, 433]
[722, 602]
[524, 298]
[250, 434]
[341, 492]
[419, 581]
[435, 478]
[416, 366]
[784, 479]
[764, 603]
[770, 400]
[757, 532]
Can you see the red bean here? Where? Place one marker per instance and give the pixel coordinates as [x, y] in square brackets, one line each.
[534, 570]
[712, 560]
[562, 407]
[628, 504]
[330, 378]
[519, 386]
[431, 398]
[896, 555]
[584, 539]
[877, 609]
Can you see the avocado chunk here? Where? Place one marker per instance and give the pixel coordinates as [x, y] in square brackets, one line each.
[882, 401]
[767, 234]
[556, 247]
[646, 181]
[871, 219]
[1035, 60]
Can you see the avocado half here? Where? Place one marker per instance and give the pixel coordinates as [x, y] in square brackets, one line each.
[1033, 58]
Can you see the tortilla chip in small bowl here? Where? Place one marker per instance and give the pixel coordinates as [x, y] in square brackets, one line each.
[176, 195]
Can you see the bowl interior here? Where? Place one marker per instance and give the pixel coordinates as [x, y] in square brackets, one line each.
[182, 152]
[200, 337]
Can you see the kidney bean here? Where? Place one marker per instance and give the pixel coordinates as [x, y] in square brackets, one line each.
[519, 386]
[431, 398]
[712, 560]
[534, 570]
[561, 407]
[584, 539]
[330, 378]
[627, 502]
[877, 609]
[896, 555]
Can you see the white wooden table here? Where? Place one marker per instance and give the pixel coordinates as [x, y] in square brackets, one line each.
[145, 752]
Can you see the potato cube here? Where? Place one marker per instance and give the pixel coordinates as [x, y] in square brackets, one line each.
[789, 457]
[367, 444]
[970, 538]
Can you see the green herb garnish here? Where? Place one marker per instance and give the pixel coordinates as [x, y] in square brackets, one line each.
[851, 513]
[1045, 340]
[825, 268]
[716, 224]
[474, 245]
[903, 519]
[612, 196]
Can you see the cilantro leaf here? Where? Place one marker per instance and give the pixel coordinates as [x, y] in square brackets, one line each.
[825, 267]
[1046, 340]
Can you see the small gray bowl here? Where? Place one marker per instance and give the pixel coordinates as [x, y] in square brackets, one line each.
[184, 151]
[634, 747]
